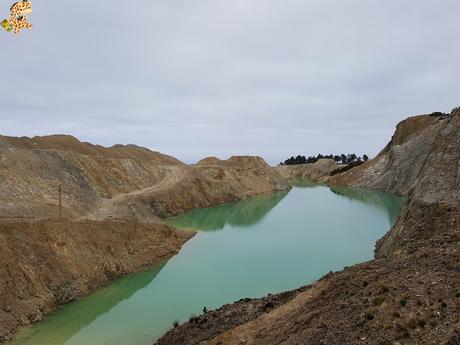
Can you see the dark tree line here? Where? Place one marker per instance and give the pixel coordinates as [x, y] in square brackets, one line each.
[439, 113]
[339, 159]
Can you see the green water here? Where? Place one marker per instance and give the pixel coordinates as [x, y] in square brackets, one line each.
[246, 249]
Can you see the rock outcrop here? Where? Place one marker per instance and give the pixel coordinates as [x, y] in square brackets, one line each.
[408, 295]
[397, 166]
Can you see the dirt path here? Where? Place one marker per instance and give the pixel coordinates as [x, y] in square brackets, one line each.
[111, 208]
[245, 334]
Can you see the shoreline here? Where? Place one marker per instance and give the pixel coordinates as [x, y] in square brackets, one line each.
[408, 294]
[33, 250]
[419, 251]
[74, 256]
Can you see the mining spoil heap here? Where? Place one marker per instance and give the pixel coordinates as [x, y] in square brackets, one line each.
[114, 201]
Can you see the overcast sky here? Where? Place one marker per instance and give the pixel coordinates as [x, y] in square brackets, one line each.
[194, 78]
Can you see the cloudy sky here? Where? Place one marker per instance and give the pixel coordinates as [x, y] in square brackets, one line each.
[194, 78]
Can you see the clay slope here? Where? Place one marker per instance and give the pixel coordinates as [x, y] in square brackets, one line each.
[32, 169]
[431, 216]
[396, 168]
[210, 182]
[51, 262]
[118, 182]
[409, 295]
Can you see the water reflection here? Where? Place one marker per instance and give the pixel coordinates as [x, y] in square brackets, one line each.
[284, 245]
[75, 316]
[242, 213]
[302, 182]
[251, 211]
[392, 205]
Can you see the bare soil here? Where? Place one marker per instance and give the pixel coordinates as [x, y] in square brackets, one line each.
[113, 203]
[50, 262]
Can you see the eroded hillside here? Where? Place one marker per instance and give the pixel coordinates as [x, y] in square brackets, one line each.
[47, 263]
[118, 182]
[113, 202]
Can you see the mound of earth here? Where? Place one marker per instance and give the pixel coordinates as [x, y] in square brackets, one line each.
[318, 172]
[120, 181]
[211, 182]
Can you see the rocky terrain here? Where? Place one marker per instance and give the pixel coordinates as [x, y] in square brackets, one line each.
[397, 166]
[113, 203]
[410, 294]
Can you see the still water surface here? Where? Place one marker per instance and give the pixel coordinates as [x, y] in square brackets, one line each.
[250, 248]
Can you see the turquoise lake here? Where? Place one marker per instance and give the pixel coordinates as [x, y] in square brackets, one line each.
[250, 248]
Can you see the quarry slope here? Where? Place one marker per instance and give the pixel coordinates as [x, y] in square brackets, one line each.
[120, 181]
[408, 295]
[113, 203]
[49, 262]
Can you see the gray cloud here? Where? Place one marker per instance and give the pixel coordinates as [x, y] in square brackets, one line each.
[214, 77]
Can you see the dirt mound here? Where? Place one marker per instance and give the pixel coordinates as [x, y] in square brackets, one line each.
[51, 262]
[32, 170]
[210, 161]
[121, 181]
[72, 144]
[317, 172]
[209, 183]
